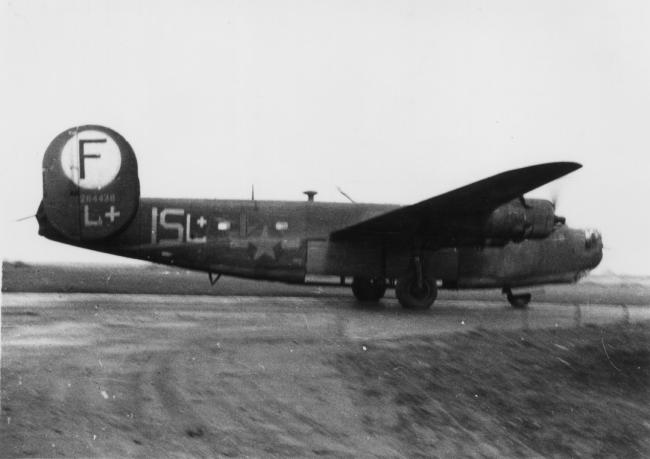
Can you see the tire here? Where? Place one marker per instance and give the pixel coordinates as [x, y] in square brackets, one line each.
[519, 301]
[368, 288]
[411, 296]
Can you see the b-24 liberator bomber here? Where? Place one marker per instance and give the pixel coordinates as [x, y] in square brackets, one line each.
[482, 235]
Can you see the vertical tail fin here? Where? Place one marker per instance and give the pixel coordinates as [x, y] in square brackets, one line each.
[91, 188]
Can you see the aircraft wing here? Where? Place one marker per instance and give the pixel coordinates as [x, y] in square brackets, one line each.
[443, 211]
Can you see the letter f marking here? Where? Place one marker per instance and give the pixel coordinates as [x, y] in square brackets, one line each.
[83, 155]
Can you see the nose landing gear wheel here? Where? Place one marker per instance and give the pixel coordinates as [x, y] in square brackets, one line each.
[368, 288]
[517, 301]
[411, 295]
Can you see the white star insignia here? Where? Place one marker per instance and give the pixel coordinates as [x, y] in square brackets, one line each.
[263, 245]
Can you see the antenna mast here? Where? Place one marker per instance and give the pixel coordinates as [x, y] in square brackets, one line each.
[346, 195]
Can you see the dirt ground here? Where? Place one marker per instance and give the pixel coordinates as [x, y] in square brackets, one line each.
[105, 375]
[549, 393]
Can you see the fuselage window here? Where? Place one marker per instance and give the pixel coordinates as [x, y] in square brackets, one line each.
[281, 226]
[223, 226]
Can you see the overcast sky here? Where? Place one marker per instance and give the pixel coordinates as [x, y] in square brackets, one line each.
[393, 101]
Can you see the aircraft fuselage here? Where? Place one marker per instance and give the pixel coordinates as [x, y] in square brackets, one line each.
[289, 241]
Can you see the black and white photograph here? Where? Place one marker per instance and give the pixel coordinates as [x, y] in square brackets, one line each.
[342, 229]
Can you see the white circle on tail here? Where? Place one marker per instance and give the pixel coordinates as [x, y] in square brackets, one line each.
[91, 159]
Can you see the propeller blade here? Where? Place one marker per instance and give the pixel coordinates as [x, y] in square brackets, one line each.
[555, 198]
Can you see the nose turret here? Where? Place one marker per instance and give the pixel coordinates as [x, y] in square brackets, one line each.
[593, 248]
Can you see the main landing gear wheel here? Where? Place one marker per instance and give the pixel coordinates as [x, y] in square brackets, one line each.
[517, 301]
[416, 295]
[368, 288]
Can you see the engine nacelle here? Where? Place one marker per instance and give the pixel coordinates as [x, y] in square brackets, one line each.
[522, 219]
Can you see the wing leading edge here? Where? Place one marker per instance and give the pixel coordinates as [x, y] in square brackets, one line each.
[477, 198]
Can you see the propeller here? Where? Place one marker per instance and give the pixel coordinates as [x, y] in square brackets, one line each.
[555, 199]
[25, 218]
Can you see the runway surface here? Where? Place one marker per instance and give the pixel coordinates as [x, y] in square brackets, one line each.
[158, 376]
